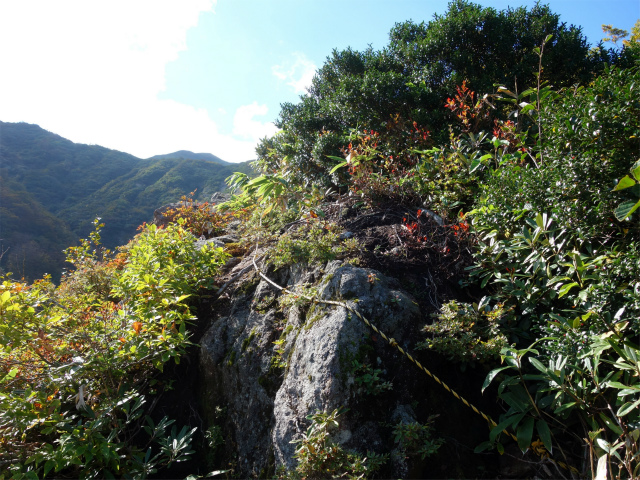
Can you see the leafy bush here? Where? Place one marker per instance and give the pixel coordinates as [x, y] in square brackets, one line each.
[271, 196]
[551, 250]
[320, 457]
[199, 218]
[626, 209]
[315, 243]
[415, 438]
[78, 361]
[554, 259]
[590, 141]
[466, 333]
[595, 390]
[368, 379]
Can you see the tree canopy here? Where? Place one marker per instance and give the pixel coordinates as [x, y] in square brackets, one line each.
[414, 74]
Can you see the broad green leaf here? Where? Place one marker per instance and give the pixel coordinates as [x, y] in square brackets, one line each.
[582, 295]
[616, 347]
[181, 297]
[622, 386]
[536, 234]
[631, 353]
[516, 400]
[625, 209]
[603, 444]
[557, 279]
[625, 182]
[539, 221]
[268, 208]
[340, 165]
[545, 434]
[565, 289]
[538, 365]
[628, 391]
[258, 181]
[525, 433]
[635, 170]
[564, 407]
[265, 190]
[527, 107]
[502, 426]
[613, 426]
[482, 447]
[491, 375]
[627, 407]
[48, 466]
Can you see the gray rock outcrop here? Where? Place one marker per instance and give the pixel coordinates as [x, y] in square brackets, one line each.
[271, 366]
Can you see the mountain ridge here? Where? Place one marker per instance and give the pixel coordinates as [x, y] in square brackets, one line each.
[189, 155]
[75, 183]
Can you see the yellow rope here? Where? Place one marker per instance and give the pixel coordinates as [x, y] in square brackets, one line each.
[394, 344]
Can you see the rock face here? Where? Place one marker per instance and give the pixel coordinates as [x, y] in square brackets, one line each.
[271, 368]
[320, 373]
[271, 360]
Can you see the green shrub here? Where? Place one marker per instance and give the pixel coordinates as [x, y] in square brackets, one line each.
[199, 218]
[313, 244]
[415, 438]
[466, 333]
[78, 361]
[368, 379]
[319, 456]
[552, 251]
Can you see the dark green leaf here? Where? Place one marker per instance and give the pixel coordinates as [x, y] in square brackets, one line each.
[627, 407]
[482, 447]
[625, 209]
[613, 426]
[525, 433]
[538, 365]
[491, 375]
[545, 434]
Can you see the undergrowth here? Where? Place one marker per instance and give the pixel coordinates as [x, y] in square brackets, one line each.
[79, 361]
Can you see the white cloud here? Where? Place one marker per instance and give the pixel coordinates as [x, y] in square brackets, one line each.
[246, 127]
[92, 72]
[298, 72]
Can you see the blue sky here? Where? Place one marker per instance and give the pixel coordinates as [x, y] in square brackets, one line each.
[154, 76]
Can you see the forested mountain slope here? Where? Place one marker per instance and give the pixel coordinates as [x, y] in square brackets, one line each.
[53, 188]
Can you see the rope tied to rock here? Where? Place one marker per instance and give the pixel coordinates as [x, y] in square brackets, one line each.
[393, 343]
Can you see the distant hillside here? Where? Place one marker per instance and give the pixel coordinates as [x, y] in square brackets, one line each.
[31, 238]
[187, 155]
[51, 190]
